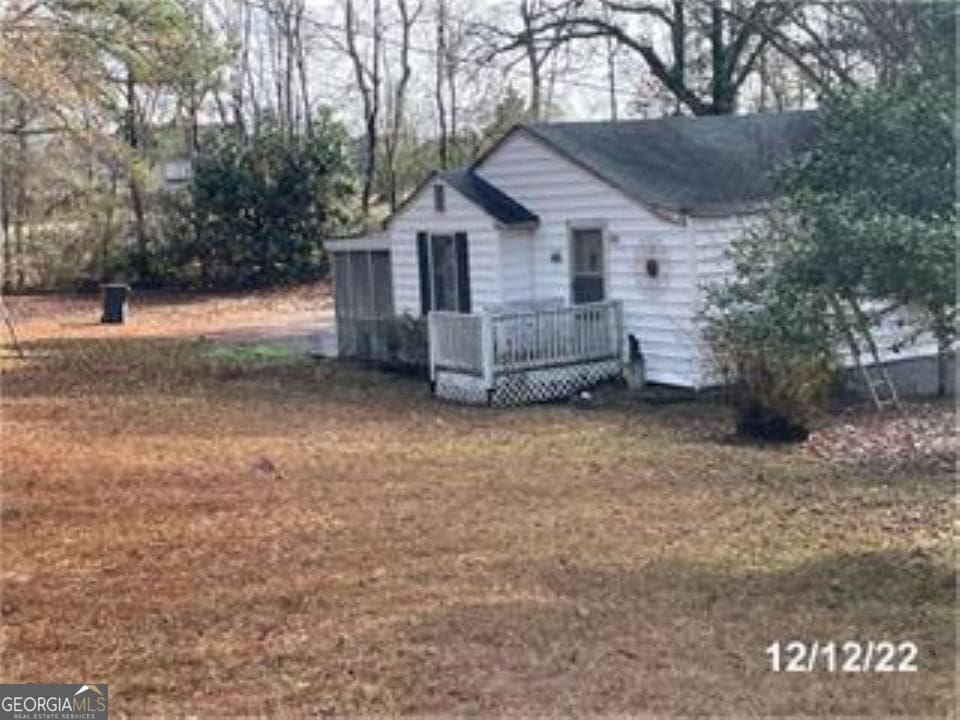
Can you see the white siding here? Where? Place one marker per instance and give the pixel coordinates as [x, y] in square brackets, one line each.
[519, 272]
[460, 215]
[658, 312]
[712, 237]
[510, 266]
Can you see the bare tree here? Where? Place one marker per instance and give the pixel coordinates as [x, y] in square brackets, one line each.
[5, 210]
[611, 48]
[367, 75]
[450, 46]
[728, 44]
[443, 140]
[454, 48]
[536, 41]
[299, 9]
[393, 138]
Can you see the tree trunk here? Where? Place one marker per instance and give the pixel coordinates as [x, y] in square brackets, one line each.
[136, 184]
[20, 204]
[533, 62]
[5, 229]
[7, 282]
[106, 239]
[722, 91]
[369, 90]
[442, 144]
[452, 85]
[399, 100]
[302, 70]
[612, 78]
[290, 53]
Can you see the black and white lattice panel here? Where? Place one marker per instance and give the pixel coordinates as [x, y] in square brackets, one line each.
[551, 383]
[457, 387]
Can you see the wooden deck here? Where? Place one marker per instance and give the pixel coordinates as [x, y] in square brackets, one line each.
[524, 356]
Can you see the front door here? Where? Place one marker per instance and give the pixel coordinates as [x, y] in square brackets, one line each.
[443, 272]
[587, 270]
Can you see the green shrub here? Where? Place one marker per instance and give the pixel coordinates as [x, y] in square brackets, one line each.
[406, 340]
[258, 209]
[775, 392]
[768, 336]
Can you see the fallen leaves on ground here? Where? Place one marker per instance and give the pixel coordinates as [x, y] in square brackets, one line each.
[921, 437]
[226, 536]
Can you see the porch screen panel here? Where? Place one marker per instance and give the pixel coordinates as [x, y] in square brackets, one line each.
[382, 284]
[360, 284]
[341, 284]
[344, 310]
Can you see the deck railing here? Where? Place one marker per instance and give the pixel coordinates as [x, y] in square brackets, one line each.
[456, 342]
[489, 344]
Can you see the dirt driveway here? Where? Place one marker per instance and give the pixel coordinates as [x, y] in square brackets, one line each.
[302, 317]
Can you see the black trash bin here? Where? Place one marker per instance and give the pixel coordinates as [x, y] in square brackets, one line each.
[115, 297]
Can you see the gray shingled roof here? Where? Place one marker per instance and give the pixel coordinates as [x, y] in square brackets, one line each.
[495, 202]
[717, 165]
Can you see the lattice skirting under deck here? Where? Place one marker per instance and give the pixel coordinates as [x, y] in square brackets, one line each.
[530, 386]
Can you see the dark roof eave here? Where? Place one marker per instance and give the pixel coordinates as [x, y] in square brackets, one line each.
[521, 225]
[707, 212]
[488, 197]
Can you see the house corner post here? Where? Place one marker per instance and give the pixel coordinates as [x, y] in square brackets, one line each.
[618, 329]
[486, 348]
[432, 346]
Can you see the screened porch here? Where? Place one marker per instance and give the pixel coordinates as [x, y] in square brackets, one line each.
[363, 293]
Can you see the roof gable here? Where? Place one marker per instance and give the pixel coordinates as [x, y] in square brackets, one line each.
[701, 166]
[496, 203]
[493, 201]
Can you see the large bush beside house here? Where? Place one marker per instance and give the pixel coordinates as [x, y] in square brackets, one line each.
[770, 345]
[259, 208]
[867, 226]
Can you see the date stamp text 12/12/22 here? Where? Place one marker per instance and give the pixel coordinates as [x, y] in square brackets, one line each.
[852, 656]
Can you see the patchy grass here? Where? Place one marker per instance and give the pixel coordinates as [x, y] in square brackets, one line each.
[241, 355]
[223, 532]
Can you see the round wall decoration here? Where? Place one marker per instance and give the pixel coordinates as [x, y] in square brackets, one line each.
[651, 264]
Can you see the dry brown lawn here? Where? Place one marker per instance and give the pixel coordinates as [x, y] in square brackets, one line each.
[224, 533]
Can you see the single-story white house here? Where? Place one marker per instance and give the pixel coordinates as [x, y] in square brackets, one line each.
[566, 249]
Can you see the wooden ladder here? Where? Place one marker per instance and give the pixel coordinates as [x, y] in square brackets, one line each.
[875, 376]
[881, 388]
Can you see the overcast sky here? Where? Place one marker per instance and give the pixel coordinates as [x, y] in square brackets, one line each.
[579, 93]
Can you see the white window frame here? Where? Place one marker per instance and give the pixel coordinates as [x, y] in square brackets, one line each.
[591, 225]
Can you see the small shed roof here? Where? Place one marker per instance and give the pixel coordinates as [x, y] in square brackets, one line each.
[363, 241]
